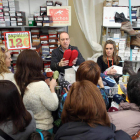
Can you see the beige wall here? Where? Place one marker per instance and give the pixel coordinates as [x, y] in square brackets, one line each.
[76, 35]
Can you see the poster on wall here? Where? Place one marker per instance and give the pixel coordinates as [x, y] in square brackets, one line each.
[61, 16]
[17, 40]
[109, 14]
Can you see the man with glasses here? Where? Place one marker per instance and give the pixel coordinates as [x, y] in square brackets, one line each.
[58, 62]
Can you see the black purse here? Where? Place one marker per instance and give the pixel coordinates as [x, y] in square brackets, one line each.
[5, 136]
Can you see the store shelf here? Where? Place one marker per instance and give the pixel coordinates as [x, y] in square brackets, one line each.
[44, 60]
[11, 27]
[135, 61]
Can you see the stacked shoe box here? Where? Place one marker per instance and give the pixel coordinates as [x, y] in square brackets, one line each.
[41, 18]
[21, 19]
[9, 14]
[45, 45]
[53, 40]
[133, 13]
[122, 46]
[35, 36]
[31, 20]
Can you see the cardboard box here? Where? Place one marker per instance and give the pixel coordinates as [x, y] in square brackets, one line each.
[5, 3]
[38, 23]
[21, 23]
[6, 9]
[13, 9]
[44, 37]
[53, 41]
[52, 36]
[35, 31]
[44, 41]
[35, 36]
[40, 18]
[49, 3]
[20, 13]
[13, 18]
[107, 3]
[46, 18]
[21, 18]
[13, 23]
[7, 18]
[12, 13]
[57, 3]
[43, 8]
[6, 13]
[2, 23]
[115, 3]
[47, 23]
[36, 14]
[1, 14]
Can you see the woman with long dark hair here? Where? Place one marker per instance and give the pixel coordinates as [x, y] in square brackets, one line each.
[15, 120]
[36, 94]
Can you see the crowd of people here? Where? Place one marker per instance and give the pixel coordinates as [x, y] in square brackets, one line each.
[27, 102]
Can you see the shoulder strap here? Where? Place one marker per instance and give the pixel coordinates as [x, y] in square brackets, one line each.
[5, 136]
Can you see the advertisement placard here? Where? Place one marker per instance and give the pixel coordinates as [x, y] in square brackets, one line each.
[109, 14]
[17, 40]
[61, 16]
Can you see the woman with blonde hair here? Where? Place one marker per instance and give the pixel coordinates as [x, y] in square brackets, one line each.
[5, 62]
[109, 58]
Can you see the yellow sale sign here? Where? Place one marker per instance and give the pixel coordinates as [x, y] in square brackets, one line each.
[17, 40]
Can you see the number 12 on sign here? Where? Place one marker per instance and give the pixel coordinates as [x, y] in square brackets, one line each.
[19, 43]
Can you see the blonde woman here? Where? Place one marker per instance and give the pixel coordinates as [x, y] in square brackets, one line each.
[5, 62]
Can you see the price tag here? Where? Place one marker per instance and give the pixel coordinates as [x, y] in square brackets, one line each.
[17, 40]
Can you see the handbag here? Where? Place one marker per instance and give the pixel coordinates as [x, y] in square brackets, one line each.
[137, 135]
[5, 136]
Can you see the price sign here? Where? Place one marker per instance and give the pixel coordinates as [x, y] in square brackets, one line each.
[17, 40]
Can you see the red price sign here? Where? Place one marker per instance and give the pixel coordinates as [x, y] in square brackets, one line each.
[17, 40]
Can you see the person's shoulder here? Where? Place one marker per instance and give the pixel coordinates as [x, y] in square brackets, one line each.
[7, 76]
[56, 50]
[74, 47]
[100, 57]
[37, 85]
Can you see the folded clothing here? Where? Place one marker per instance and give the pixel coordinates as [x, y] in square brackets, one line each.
[110, 82]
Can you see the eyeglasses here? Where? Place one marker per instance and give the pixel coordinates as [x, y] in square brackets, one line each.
[2, 49]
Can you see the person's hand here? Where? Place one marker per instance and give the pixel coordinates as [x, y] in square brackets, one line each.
[63, 62]
[65, 90]
[112, 71]
[53, 84]
[74, 61]
[100, 83]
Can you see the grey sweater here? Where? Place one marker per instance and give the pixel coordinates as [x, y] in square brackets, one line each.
[8, 129]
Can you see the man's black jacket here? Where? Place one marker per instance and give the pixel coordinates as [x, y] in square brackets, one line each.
[57, 55]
